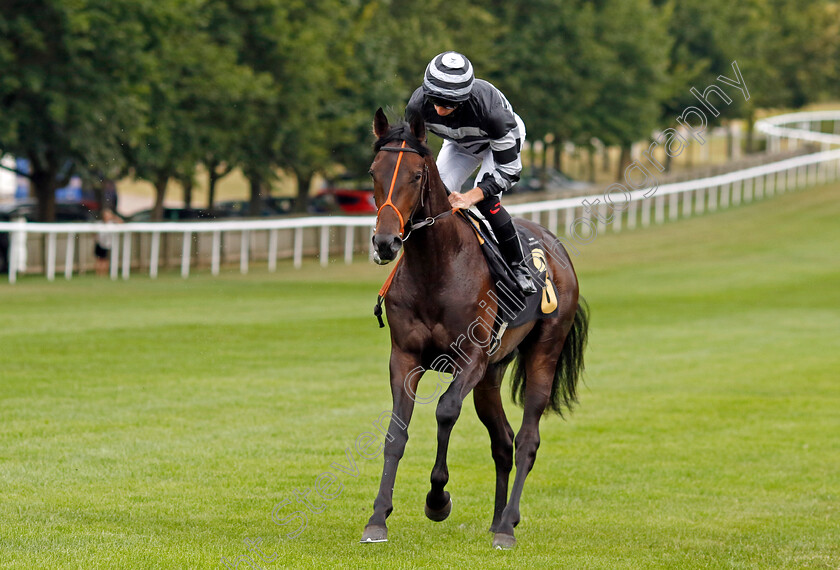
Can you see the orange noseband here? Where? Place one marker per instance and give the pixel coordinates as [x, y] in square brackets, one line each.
[388, 201]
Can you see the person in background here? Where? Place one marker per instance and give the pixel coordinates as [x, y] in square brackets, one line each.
[4, 252]
[104, 241]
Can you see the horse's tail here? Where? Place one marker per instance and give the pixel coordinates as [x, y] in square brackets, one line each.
[569, 366]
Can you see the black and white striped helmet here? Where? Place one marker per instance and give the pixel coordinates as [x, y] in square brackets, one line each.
[449, 77]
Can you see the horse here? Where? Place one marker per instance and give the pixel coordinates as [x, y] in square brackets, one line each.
[441, 288]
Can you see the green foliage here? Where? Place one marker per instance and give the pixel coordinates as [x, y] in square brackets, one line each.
[106, 87]
[69, 87]
[553, 92]
[632, 75]
[195, 90]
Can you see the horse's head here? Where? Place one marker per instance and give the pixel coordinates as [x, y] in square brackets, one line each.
[400, 173]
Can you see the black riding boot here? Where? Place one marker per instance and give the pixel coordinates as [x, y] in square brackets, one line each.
[511, 249]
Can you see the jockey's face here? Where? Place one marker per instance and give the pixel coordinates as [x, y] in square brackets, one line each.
[444, 111]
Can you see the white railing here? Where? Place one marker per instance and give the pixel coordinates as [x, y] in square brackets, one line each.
[646, 205]
[778, 128]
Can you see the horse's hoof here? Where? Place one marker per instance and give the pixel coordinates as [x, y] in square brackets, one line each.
[374, 533]
[502, 541]
[440, 515]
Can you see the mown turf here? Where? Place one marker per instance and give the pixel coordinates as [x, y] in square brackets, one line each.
[155, 424]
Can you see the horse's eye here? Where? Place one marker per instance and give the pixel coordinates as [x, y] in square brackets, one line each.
[370, 173]
[418, 176]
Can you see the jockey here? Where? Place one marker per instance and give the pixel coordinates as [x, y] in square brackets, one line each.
[478, 128]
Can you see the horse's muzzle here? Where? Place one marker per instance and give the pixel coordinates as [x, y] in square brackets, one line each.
[385, 248]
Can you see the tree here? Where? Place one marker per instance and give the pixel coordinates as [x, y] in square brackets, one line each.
[69, 88]
[633, 78]
[194, 86]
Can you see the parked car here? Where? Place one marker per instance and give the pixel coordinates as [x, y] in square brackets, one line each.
[64, 211]
[532, 181]
[273, 206]
[343, 200]
[174, 215]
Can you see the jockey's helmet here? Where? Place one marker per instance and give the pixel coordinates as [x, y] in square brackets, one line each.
[449, 78]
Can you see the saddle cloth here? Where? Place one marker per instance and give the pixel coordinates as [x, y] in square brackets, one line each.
[515, 309]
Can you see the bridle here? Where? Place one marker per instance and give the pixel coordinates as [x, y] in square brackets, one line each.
[424, 187]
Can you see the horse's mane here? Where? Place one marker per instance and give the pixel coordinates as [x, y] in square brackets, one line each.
[402, 132]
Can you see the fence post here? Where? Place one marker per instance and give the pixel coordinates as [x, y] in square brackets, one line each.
[726, 195]
[216, 252]
[631, 215]
[272, 250]
[602, 218]
[568, 221]
[126, 255]
[686, 203]
[155, 255]
[298, 248]
[713, 199]
[115, 256]
[186, 247]
[325, 246]
[51, 239]
[69, 254]
[349, 236]
[244, 248]
[13, 256]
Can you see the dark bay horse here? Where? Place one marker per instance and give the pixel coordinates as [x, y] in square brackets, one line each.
[441, 295]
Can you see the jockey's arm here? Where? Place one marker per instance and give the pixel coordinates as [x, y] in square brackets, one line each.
[505, 149]
[466, 199]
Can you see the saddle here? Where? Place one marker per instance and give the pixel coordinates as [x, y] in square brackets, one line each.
[515, 309]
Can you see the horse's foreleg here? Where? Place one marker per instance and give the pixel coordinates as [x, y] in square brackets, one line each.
[438, 504]
[488, 406]
[405, 374]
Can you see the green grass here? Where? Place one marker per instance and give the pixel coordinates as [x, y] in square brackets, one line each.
[154, 424]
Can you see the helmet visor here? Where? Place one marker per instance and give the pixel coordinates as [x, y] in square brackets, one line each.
[445, 103]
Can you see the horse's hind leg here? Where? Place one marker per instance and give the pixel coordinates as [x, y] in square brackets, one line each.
[488, 406]
[540, 364]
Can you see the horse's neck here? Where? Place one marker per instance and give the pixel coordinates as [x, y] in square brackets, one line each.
[433, 251]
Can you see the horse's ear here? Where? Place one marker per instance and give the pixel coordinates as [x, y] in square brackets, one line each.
[418, 126]
[380, 123]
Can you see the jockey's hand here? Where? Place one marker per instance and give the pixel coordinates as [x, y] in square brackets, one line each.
[466, 199]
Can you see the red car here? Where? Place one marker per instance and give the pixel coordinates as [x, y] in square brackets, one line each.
[345, 201]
